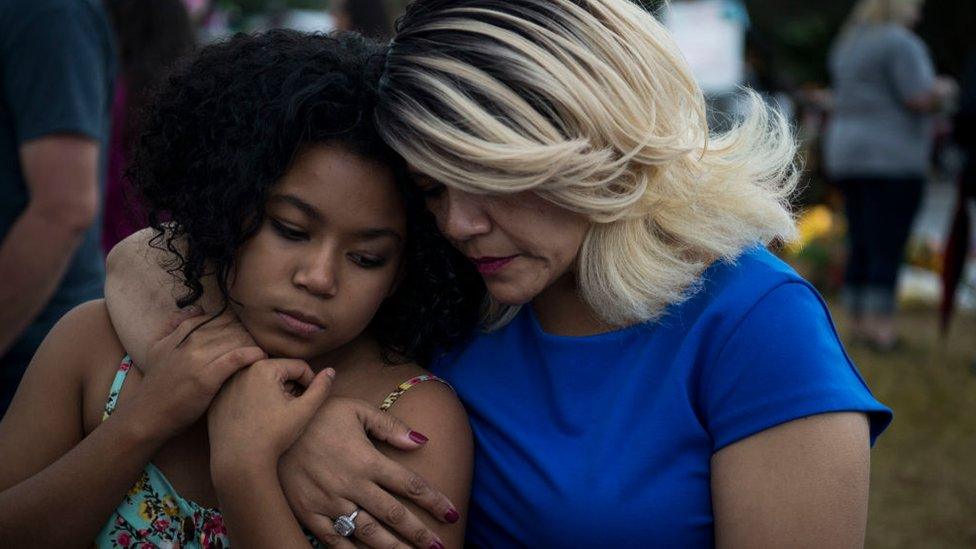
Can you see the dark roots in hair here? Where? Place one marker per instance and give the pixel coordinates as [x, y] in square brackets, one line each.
[226, 126]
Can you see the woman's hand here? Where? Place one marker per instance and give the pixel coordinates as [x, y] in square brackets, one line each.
[260, 412]
[188, 368]
[333, 468]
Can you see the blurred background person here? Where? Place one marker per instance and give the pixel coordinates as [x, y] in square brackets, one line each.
[151, 36]
[877, 149]
[368, 17]
[57, 67]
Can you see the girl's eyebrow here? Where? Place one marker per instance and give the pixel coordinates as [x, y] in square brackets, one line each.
[305, 207]
[313, 213]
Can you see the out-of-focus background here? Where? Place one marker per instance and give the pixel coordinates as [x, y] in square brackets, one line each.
[913, 336]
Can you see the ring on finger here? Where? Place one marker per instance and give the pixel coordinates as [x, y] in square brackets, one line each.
[345, 525]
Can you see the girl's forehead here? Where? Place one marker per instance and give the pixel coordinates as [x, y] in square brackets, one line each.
[342, 185]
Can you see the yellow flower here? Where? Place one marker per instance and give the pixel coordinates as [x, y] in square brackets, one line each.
[814, 223]
[146, 511]
[137, 487]
[170, 507]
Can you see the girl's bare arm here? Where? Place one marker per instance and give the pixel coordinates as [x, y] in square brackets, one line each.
[58, 486]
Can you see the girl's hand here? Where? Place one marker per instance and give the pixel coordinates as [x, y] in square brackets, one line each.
[333, 467]
[260, 412]
[189, 365]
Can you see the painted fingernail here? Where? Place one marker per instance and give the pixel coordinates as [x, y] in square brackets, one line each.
[451, 516]
[418, 438]
[436, 545]
[330, 372]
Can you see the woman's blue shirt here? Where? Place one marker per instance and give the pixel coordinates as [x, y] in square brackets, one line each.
[606, 439]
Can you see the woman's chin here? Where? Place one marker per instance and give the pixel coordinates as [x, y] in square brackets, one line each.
[510, 296]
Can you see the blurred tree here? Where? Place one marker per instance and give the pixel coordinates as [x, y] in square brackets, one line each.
[798, 32]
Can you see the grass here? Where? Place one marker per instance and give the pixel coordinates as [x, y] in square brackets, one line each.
[923, 475]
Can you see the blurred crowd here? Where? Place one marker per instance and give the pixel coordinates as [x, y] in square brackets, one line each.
[74, 74]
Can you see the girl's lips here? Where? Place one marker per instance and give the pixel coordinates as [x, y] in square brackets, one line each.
[491, 265]
[298, 326]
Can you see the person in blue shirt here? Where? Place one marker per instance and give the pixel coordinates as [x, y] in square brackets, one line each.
[57, 68]
[647, 373]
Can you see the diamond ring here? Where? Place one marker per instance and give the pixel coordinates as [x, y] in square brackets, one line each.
[345, 525]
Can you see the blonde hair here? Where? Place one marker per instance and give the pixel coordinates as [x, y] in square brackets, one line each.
[590, 104]
[879, 12]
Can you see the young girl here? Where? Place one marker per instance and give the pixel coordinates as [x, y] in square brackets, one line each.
[262, 156]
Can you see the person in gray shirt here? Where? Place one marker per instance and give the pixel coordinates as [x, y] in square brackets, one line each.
[877, 149]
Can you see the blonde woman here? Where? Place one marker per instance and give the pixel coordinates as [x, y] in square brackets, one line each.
[647, 373]
[877, 150]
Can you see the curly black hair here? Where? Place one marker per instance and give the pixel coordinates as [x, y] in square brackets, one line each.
[225, 127]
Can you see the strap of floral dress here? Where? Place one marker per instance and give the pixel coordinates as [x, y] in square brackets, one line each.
[113, 393]
[403, 387]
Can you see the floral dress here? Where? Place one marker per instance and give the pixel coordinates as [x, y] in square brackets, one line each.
[153, 514]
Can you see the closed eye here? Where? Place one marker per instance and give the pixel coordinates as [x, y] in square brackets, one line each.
[288, 233]
[366, 261]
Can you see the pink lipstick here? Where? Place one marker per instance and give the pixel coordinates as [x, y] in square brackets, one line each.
[491, 265]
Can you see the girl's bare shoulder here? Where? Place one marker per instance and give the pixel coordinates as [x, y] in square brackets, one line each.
[83, 344]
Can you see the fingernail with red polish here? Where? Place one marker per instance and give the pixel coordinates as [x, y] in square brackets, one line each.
[418, 438]
[451, 516]
[436, 545]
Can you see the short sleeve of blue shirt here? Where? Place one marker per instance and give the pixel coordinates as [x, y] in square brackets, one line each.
[57, 68]
[783, 361]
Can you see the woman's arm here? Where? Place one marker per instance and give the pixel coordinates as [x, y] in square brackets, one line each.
[333, 466]
[59, 486]
[141, 296]
[446, 460]
[801, 484]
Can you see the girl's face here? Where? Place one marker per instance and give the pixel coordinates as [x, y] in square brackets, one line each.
[521, 244]
[326, 256]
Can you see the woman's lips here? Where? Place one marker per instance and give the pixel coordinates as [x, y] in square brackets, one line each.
[298, 326]
[491, 265]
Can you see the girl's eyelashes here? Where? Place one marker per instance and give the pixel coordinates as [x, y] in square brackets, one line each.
[287, 232]
[367, 262]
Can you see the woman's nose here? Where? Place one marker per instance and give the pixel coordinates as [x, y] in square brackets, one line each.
[461, 215]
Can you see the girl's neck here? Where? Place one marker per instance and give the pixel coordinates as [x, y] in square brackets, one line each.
[561, 310]
[362, 349]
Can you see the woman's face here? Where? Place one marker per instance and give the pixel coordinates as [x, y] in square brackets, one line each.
[326, 256]
[521, 243]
